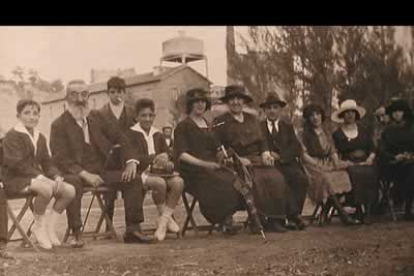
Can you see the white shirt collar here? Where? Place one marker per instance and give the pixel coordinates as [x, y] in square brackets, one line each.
[36, 133]
[149, 138]
[82, 122]
[117, 109]
[270, 125]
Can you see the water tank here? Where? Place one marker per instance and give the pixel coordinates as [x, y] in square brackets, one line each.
[183, 49]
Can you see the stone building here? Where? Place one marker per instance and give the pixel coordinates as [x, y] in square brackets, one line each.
[163, 85]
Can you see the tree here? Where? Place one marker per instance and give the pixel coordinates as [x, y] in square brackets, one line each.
[372, 67]
[57, 86]
[321, 64]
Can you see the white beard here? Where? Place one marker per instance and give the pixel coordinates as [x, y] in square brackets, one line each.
[78, 112]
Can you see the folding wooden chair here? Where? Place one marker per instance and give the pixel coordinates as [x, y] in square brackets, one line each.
[97, 193]
[189, 222]
[323, 212]
[385, 186]
[25, 235]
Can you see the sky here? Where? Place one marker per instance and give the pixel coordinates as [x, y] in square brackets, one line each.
[71, 52]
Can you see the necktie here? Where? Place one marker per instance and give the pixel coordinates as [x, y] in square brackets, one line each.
[274, 128]
[85, 129]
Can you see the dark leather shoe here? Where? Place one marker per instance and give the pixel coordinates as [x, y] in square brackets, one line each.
[137, 237]
[78, 241]
[277, 226]
[228, 228]
[291, 226]
[300, 222]
[348, 221]
[254, 228]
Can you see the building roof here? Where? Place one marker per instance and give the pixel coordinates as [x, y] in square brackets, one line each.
[139, 79]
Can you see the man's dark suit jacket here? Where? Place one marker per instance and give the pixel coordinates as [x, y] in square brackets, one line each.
[285, 143]
[125, 121]
[123, 124]
[67, 140]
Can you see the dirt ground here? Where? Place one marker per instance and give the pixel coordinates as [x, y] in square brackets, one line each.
[382, 249]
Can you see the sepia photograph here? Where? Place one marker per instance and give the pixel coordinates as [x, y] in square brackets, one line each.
[206, 150]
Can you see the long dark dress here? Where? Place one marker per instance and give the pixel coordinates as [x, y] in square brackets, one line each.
[395, 140]
[247, 140]
[364, 178]
[214, 189]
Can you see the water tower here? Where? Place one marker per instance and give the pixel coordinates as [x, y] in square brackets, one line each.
[183, 49]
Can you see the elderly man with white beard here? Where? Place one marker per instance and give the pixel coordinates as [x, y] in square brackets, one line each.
[80, 143]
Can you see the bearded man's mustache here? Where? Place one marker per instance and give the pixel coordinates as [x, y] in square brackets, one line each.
[80, 103]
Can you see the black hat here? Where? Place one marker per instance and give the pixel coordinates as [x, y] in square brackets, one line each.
[116, 82]
[232, 91]
[197, 94]
[399, 104]
[312, 108]
[272, 98]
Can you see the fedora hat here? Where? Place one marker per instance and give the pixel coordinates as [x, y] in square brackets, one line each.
[345, 106]
[232, 91]
[272, 98]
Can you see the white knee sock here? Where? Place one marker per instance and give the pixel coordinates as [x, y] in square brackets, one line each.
[52, 220]
[161, 208]
[168, 211]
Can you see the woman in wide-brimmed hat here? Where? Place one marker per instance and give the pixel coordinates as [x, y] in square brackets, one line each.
[241, 131]
[195, 149]
[396, 153]
[356, 145]
[327, 173]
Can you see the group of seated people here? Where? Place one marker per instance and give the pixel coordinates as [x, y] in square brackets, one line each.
[284, 167]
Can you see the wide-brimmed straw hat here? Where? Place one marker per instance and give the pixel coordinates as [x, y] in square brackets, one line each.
[346, 106]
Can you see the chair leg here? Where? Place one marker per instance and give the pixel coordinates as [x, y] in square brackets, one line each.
[390, 206]
[315, 215]
[189, 219]
[20, 216]
[107, 219]
[29, 231]
[101, 219]
[16, 223]
[87, 213]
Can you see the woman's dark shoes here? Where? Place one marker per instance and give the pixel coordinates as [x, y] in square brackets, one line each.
[254, 229]
[137, 237]
[296, 223]
[348, 221]
[299, 221]
[290, 225]
[275, 226]
[228, 228]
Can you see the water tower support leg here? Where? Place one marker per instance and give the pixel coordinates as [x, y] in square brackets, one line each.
[205, 59]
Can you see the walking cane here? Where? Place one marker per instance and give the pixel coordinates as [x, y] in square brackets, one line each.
[250, 202]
